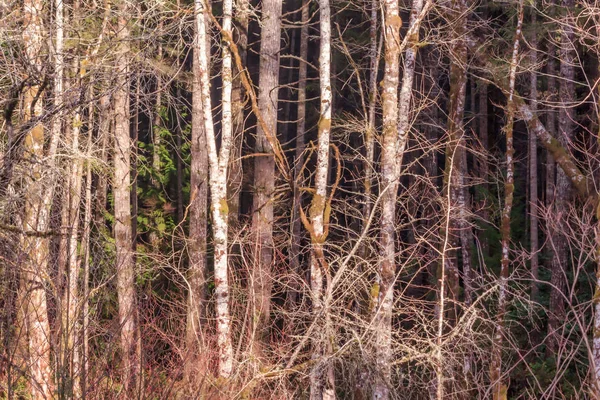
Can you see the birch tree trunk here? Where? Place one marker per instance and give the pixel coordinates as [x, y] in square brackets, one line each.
[264, 172]
[397, 115]
[390, 171]
[566, 127]
[218, 163]
[498, 387]
[125, 263]
[319, 218]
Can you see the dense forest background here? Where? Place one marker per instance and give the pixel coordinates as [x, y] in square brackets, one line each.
[302, 199]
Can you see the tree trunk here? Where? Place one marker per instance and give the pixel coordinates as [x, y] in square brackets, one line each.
[453, 174]
[236, 174]
[264, 172]
[566, 127]
[369, 138]
[85, 240]
[296, 241]
[533, 176]
[218, 164]
[195, 342]
[322, 379]
[125, 263]
[498, 387]
[397, 116]
[39, 192]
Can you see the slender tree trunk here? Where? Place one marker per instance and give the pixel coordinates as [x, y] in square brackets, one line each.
[39, 192]
[390, 172]
[179, 161]
[369, 140]
[533, 176]
[396, 126]
[566, 127]
[296, 241]
[218, 163]
[322, 379]
[125, 263]
[71, 323]
[550, 170]
[498, 387]
[157, 140]
[236, 174]
[85, 240]
[264, 172]
[484, 168]
[195, 341]
[105, 127]
[449, 279]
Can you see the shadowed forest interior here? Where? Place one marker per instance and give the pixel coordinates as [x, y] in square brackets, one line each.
[312, 199]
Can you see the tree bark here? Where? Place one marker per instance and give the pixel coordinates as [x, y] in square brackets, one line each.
[566, 127]
[397, 115]
[195, 341]
[322, 379]
[533, 175]
[264, 172]
[39, 192]
[125, 263]
[498, 387]
[453, 174]
[218, 164]
[296, 241]
[236, 173]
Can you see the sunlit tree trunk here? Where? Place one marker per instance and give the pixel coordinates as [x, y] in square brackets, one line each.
[39, 191]
[218, 163]
[498, 387]
[397, 115]
[566, 127]
[322, 380]
[390, 171]
[195, 341]
[125, 263]
[264, 171]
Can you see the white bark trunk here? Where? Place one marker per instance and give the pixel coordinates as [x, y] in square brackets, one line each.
[323, 370]
[396, 126]
[218, 163]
